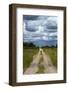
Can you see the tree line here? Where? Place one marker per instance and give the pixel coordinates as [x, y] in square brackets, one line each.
[31, 45]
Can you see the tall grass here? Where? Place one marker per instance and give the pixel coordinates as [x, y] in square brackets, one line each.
[28, 54]
[52, 52]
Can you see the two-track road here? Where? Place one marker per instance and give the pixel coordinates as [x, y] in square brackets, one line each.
[46, 62]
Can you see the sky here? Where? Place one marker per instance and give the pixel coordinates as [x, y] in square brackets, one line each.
[40, 30]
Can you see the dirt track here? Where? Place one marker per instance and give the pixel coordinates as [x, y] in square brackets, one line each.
[46, 62]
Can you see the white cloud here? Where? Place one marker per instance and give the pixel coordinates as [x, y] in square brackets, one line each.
[45, 38]
[53, 34]
[52, 19]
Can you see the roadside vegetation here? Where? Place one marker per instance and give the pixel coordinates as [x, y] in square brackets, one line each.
[52, 52]
[29, 50]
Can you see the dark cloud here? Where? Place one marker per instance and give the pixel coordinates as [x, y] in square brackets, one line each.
[49, 30]
[30, 17]
[35, 17]
[51, 24]
[31, 29]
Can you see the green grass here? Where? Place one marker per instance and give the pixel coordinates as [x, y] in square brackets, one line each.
[28, 54]
[40, 69]
[40, 66]
[52, 52]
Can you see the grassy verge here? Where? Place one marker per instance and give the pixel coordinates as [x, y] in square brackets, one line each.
[52, 52]
[40, 69]
[28, 54]
[40, 66]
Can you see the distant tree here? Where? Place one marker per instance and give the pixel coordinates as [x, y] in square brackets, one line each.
[26, 45]
[52, 46]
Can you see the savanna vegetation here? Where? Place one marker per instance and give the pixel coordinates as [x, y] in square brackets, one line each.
[52, 52]
[29, 50]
